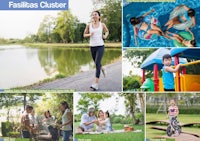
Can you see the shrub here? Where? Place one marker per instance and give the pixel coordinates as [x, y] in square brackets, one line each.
[116, 120]
[6, 128]
[182, 109]
[14, 134]
[126, 121]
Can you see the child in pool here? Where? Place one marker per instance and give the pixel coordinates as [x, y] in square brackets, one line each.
[167, 73]
[108, 122]
[188, 15]
[143, 26]
[181, 40]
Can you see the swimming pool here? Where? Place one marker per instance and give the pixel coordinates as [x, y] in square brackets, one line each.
[162, 10]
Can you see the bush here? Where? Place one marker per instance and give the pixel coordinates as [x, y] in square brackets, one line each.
[6, 128]
[126, 121]
[182, 109]
[14, 134]
[140, 117]
[131, 82]
[116, 120]
[77, 118]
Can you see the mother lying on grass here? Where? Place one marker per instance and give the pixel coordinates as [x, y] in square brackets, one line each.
[89, 119]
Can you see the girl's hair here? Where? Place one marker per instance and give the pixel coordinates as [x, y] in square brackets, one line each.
[99, 112]
[65, 105]
[98, 14]
[191, 12]
[135, 21]
[107, 113]
[45, 113]
[193, 43]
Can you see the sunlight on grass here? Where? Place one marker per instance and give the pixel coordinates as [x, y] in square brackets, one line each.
[126, 136]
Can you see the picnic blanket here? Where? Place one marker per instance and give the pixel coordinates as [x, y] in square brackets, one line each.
[114, 131]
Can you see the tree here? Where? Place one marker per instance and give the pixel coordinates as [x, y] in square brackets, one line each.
[111, 16]
[130, 103]
[52, 102]
[8, 101]
[46, 29]
[137, 57]
[65, 26]
[90, 99]
[79, 32]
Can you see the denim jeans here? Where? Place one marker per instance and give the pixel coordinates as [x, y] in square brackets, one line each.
[66, 135]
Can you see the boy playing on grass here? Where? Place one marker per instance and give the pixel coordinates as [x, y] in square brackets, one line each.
[167, 73]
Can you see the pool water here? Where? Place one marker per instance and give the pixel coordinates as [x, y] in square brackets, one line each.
[162, 11]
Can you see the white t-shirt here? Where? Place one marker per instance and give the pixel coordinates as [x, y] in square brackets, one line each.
[86, 118]
[67, 127]
[33, 119]
[97, 38]
[107, 122]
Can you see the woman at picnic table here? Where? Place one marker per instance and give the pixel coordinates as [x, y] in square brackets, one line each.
[48, 121]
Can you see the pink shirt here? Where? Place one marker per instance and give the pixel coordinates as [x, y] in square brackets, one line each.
[173, 110]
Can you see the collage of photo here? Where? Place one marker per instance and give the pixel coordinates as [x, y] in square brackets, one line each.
[101, 70]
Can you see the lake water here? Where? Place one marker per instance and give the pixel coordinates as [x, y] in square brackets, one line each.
[21, 66]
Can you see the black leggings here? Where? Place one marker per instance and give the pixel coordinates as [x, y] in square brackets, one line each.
[97, 54]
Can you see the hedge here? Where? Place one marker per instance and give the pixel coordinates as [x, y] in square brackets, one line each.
[182, 109]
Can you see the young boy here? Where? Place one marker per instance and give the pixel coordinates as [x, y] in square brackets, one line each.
[167, 73]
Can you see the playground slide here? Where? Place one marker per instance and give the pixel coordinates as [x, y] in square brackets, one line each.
[190, 82]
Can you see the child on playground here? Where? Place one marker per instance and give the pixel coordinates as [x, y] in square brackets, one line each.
[172, 110]
[108, 122]
[167, 73]
[173, 113]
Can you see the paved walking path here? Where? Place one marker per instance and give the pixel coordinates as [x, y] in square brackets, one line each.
[184, 136]
[83, 80]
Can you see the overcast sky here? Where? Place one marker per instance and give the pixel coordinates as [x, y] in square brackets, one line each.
[18, 24]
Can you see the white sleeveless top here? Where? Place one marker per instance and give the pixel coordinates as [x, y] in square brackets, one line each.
[64, 120]
[97, 38]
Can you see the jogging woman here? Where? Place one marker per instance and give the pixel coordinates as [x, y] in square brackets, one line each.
[95, 30]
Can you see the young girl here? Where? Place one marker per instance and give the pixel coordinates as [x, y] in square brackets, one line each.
[173, 113]
[94, 30]
[108, 122]
[172, 110]
[187, 43]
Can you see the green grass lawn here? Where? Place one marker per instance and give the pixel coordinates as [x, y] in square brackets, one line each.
[151, 133]
[71, 45]
[127, 136]
[182, 118]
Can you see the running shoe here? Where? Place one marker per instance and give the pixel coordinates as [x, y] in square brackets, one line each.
[94, 86]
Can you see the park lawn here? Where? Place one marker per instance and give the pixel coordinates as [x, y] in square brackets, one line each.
[18, 139]
[183, 118]
[127, 136]
[71, 45]
[151, 133]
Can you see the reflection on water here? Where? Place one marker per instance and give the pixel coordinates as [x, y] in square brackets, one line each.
[22, 66]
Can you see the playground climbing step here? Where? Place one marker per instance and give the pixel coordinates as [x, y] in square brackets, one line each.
[83, 80]
[183, 132]
[181, 137]
[162, 122]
